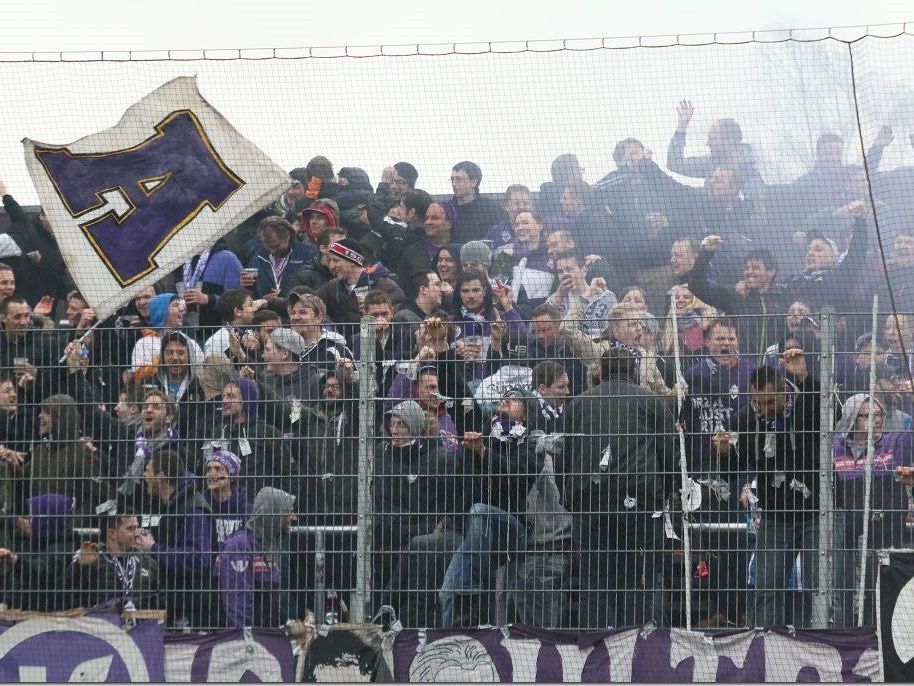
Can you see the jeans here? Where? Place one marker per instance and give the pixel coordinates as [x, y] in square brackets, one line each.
[537, 589]
[418, 576]
[491, 537]
[778, 543]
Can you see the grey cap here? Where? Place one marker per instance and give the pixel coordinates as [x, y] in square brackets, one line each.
[476, 251]
[411, 414]
[289, 340]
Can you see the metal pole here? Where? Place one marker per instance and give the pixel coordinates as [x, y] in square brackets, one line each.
[683, 469]
[320, 578]
[363, 543]
[822, 600]
[868, 465]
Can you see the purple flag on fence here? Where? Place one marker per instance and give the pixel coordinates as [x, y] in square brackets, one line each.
[236, 656]
[661, 655]
[86, 649]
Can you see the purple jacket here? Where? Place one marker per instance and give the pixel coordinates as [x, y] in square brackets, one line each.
[244, 575]
[184, 535]
[229, 516]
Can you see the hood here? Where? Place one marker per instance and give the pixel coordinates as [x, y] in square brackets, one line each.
[357, 178]
[158, 310]
[194, 354]
[51, 514]
[65, 419]
[411, 414]
[271, 507]
[849, 411]
[250, 396]
[324, 206]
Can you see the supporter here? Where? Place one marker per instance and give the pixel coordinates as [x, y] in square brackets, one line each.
[32, 577]
[532, 276]
[756, 302]
[328, 432]
[898, 334]
[574, 296]
[565, 170]
[17, 419]
[249, 566]
[59, 462]
[24, 349]
[438, 228]
[891, 458]
[316, 273]
[265, 457]
[227, 499]
[180, 539]
[323, 348]
[415, 494]
[619, 458]
[589, 222]
[355, 178]
[236, 309]
[317, 217]
[635, 296]
[40, 273]
[198, 420]
[379, 307]
[546, 340]
[852, 370]
[888, 395]
[353, 278]
[79, 315]
[203, 280]
[438, 409]
[447, 264]
[7, 282]
[718, 389]
[399, 179]
[724, 210]
[517, 199]
[166, 315]
[727, 149]
[277, 259]
[285, 375]
[475, 255]
[779, 440]
[424, 296]
[113, 572]
[476, 214]
[504, 468]
[692, 319]
[88, 380]
[683, 255]
[399, 237]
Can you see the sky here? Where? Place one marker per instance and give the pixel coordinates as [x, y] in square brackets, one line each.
[512, 114]
[41, 25]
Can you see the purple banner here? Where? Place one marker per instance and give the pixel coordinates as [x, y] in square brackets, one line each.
[87, 649]
[518, 654]
[235, 656]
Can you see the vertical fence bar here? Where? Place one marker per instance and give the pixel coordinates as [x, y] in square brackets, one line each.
[868, 465]
[822, 600]
[363, 575]
[684, 471]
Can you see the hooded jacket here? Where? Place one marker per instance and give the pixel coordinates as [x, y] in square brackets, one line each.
[61, 463]
[891, 450]
[249, 568]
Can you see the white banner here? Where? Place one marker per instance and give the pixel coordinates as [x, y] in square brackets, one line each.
[131, 203]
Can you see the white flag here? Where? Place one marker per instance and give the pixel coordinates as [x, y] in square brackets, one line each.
[131, 203]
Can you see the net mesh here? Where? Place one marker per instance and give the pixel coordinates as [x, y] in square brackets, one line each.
[657, 370]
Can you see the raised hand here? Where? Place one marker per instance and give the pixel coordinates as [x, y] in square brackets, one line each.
[684, 112]
[712, 243]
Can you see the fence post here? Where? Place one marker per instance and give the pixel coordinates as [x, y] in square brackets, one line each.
[366, 367]
[822, 600]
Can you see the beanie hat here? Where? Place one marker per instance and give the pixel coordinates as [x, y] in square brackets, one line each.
[349, 250]
[158, 310]
[357, 178]
[51, 513]
[476, 251]
[411, 414]
[227, 459]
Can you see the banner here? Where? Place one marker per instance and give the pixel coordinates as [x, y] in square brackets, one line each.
[131, 203]
[238, 656]
[347, 654]
[518, 654]
[86, 649]
[896, 614]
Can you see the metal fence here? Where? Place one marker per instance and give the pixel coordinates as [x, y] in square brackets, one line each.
[457, 469]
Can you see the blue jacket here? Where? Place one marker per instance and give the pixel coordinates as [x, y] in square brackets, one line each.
[299, 255]
[716, 394]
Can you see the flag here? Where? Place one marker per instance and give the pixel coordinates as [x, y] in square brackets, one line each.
[129, 204]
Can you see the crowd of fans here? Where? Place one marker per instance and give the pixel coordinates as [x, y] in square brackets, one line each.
[531, 417]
